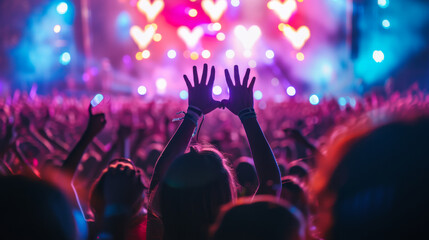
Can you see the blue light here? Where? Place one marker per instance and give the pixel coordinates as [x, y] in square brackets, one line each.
[97, 100]
[383, 3]
[314, 99]
[386, 23]
[62, 8]
[65, 58]
[342, 101]
[184, 94]
[257, 95]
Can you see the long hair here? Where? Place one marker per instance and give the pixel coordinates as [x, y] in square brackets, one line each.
[196, 185]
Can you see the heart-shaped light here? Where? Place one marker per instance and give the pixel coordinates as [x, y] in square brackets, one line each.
[142, 37]
[299, 37]
[283, 10]
[247, 37]
[190, 38]
[150, 10]
[214, 10]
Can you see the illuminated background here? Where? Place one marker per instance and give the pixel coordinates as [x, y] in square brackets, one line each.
[311, 48]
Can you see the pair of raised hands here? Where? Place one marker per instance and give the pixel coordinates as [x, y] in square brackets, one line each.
[240, 92]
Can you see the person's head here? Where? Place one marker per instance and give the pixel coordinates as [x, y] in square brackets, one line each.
[374, 183]
[97, 202]
[293, 193]
[246, 175]
[300, 170]
[264, 217]
[34, 209]
[194, 188]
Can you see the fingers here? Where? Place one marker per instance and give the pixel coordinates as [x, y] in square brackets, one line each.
[212, 76]
[195, 75]
[228, 79]
[90, 109]
[236, 76]
[188, 83]
[246, 78]
[252, 83]
[204, 76]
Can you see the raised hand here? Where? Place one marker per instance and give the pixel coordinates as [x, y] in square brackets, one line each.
[200, 95]
[96, 122]
[240, 95]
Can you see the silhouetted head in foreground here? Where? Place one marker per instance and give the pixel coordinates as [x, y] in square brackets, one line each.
[264, 217]
[33, 209]
[374, 184]
[194, 188]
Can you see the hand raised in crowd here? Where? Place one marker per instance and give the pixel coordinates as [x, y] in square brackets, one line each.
[240, 95]
[200, 95]
[96, 122]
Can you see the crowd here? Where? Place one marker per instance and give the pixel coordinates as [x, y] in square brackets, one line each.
[206, 169]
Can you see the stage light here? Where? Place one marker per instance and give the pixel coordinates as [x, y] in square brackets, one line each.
[157, 37]
[57, 28]
[161, 84]
[230, 53]
[220, 36]
[291, 91]
[257, 95]
[183, 94]
[342, 101]
[383, 3]
[252, 63]
[300, 56]
[378, 56]
[205, 54]
[235, 3]
[275, 81]
[386, 23]
[62, 8]
[171, 54]
[65, 58]
[269, 54]
[139, 56]
[247, 53]
[193, 12]
[217, 90]
[146, 54]
[142, 90]
[194, 55]
[314, 99]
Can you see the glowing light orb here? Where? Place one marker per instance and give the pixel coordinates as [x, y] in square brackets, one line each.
[65, 58]
[193, 12]
[161, 84]
[220, 36]
[235, 3]
[142, 90]
[252, 63]
[247, 53]
[171, 54]
[383, 3]
[378, 56]
[217, 26]
[217, 90]
[385, 23]
[269, 54]
[275, 81]
[291, 91]
[342, 101]
[146, 54]
[62, 8]
[205, 54]
[157, 37]
[139, 56]
[257, 95]
[298, 37]
[57, 28]
[97, 100]
[230, 54]
[314, 99]
[183, 94]
[300, 56]
[194, 56]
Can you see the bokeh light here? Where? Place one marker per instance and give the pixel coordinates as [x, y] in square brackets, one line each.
[300, 56]
[291, 91]
[385, 23]
[65, 58]
[383, 3]
[314, 99]
[146, 54]
[252, 63]
[139, 56]
[193, 12]
[157, 37]
[161, 84]
[62, 8]
[171, 54]
[257, 95]
[230, 54]
[220, 36]
[217, 90]
[194, 56]
[205, 54]
[142, 90]
[183, 94]
[275, 81]
[235, 3]
[57, 28]
[378, 56]
[269, 54]
[342, 101]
